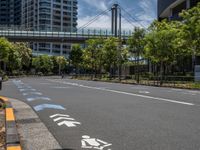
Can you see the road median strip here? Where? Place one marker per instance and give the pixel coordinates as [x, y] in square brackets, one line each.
[12, 137]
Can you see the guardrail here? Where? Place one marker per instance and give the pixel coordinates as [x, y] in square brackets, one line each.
[81, 34]
[45, 36]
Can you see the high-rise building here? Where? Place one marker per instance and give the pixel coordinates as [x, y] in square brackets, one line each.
[171, 8]
[50, 15]
[41, 15]
[10, 12]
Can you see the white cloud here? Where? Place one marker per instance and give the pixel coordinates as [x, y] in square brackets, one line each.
[144, 12]
[104, 22]
[98, 4]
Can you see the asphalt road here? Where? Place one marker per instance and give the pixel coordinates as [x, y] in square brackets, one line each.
[109, 116]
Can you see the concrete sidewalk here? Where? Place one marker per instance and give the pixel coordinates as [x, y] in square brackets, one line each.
[33, 133]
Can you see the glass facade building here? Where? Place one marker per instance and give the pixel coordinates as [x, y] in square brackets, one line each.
[10, 12]
[50, 15]
[42, 15]
[171, 8]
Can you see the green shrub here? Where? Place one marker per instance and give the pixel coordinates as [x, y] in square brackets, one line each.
[5, 78]
[40, 74]
[196, 85]
[3, 106]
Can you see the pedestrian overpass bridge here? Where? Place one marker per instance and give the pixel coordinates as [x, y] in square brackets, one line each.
[58, 37]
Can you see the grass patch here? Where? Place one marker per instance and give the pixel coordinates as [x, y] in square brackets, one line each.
[195, 85]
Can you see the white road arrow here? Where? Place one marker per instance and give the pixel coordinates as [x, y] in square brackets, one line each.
[59, 115]
[62, 118]
[66, 120]
[69, 123]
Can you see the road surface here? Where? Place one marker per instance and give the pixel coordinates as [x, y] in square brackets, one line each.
[109, 116]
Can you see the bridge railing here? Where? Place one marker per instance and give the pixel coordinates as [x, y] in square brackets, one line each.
[81, 34]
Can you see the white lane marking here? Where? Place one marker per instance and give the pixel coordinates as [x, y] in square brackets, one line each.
[131, 94]
[195, 92]
[67, 120]
[176, 89]
[187, 93]
[150, 97]
[59, 87]
[94, 143]
[103, 87]
[32, 93]
[24, 87]
[139, 88]
[144, 92]
[23, 90]
[45, 83]
[37, 98]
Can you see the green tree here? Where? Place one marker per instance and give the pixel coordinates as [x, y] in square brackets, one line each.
[110, 54]
[5, 47]
[76, 56]
[92, 55]
[55, 69]
[191, 28]
[62, 62]
[43, 63]
[36, 63]
[161, 43]
[14, 60]
[136, 46]
[24, 53]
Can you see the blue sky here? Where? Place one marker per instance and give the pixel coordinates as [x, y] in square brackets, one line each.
[145, 11]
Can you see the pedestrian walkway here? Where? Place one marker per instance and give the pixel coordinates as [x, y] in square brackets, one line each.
[33, 133]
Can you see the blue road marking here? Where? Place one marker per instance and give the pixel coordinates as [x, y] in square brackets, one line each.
[51, 106]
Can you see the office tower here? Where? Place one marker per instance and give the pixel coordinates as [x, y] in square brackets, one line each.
[171, 8]
[50, 15]
[10, 12]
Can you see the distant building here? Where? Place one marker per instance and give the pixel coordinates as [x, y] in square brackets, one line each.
[10, 12]
[50, 15]
[171, 8]
[42, 15]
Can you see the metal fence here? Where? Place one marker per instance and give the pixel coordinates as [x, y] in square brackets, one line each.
[165, 81]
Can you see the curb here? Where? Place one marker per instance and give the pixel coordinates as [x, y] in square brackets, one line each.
[12, 137]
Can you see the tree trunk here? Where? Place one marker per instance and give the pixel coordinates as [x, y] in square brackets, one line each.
[4, 67]
[161, 73]
[110, 67]
[138, 70]
[59, 69]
